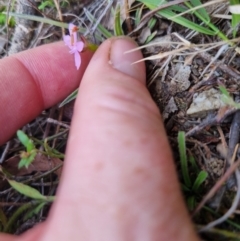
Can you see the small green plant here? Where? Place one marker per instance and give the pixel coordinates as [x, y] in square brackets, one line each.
[3, 18]
[226, 98]
[50, 3]
[194, 7]
[27, 156]
[235, 16]
[29, 191]
[45, 4]
[191, 183]
[30, 208]
[117, 22]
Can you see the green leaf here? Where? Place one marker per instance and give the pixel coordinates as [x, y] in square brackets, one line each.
[202, 176]
[29, 191]
[2, 19]
[191, 202]
[138, 17]
[185, 188]
[168, 13]
[150, 37]
[26, 161]
[202, 11]
[235, 22]
[45, 4]
[14, 217]
[224, 91]
[3, 218]
[193, 163]
[117, 22]
[34, 211]
[71, 97]
[235, 17]
[152, 23]
[183, 158]
[226, 98]
[23, 138]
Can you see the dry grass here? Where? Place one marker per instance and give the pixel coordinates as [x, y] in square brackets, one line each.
[180, 64]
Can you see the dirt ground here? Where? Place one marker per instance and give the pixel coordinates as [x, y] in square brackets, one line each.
[184, 82]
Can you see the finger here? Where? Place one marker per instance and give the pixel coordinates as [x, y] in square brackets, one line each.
[119, 180]
[34, 80]
[30, 235]
[6, 237]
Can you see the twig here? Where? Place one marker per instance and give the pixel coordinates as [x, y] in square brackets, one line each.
[209, 121]
[58, 127]
[207, 57]
[128, 19]
[5, 152]
[217, 185]
[222, 137]
[102, 15]
[56, 122]
[7, 18]
[227, 234]
[231, 210]
[233, 143]
[59, 14]
[219, 53]
[34, 178]
[234, 135]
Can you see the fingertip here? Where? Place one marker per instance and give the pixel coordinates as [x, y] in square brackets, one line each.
[124, 61]
[34, 80]
[113, 52]
[53, 69]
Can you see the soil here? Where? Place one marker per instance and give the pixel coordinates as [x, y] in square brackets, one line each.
[189, 70]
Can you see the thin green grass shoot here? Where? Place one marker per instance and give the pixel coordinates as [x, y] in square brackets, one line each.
[191, 188]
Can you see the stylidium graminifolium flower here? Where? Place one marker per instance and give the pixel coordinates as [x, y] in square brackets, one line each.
[72, 42]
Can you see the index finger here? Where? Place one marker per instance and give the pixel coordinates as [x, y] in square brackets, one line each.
[34, 80]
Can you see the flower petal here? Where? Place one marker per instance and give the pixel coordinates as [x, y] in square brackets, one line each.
[79, 46]
[70, 28]
[77, 59]
[72, 50]
[67, 40]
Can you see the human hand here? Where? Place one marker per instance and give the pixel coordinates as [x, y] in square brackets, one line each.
[119, 180]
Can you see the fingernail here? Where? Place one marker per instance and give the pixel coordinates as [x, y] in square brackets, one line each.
[123, 61]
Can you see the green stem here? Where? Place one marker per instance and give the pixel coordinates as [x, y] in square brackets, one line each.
[15, 215]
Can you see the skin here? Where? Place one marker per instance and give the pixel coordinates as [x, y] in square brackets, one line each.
[119, 180]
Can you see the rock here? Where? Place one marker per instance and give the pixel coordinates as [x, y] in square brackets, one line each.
[205, 102]
[180, 82]
[171, 107]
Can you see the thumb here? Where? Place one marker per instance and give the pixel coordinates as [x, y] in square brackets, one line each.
[119, 180]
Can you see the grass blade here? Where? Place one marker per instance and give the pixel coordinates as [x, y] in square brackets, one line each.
[235, 4]
[168, 13]
[117, 22]
[3, 218]
[100, 28]
[183, 158]
[71, 97]
[14, 217]
[201, 11]
[25, 140]
[202, 176]
[29, 191]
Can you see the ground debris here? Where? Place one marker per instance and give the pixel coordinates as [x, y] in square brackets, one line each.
[204, 102]
[171, 107]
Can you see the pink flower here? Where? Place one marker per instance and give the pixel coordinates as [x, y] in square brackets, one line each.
[74, 45]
